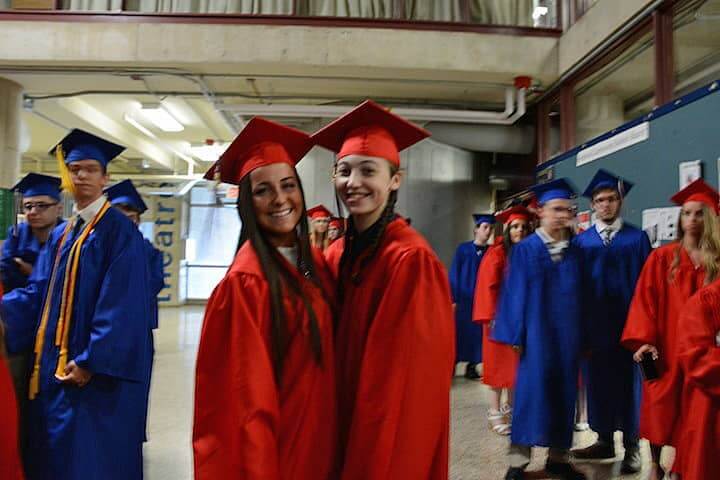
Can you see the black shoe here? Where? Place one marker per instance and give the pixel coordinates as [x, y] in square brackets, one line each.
[564, 470]
[514, 473]
[471, 372]
[632, 461]
[596, 451]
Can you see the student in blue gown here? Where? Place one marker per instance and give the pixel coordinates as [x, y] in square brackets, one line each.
[539, 313]
[125, 197]
[463, 277]
[85, 311]
[613, 253]
[42, 208]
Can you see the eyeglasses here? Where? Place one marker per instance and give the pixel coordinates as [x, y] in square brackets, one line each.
[39, 206]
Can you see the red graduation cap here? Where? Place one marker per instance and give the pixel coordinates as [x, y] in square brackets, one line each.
[371, 130]
[260, 143]
[698, 191]
[513, 213]
[319, 211]
[337, 222]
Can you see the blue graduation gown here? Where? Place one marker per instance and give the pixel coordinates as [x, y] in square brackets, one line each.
[539, 310]
[613, 380]
[463, 276]
[95, 431]
[20, 243]
[157, 281]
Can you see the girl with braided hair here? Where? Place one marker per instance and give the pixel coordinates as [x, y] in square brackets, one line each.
[395, 331]
[265, 402]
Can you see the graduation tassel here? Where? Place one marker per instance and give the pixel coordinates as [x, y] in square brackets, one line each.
[66, 181]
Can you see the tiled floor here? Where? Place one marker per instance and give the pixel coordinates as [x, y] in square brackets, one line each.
[476, 452]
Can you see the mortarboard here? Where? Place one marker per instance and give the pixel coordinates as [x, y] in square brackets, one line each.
[337, 222]
[319, 211]
[371, 130]
[555, 189]
[260, 143]
[513, 213]
[480, 218]
[125, 193]
[698, 191]
[606, 180]
[82, 145]
[35, 184]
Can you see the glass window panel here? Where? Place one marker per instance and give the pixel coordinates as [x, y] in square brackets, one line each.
[696, 46]
[202, 280]
[213, 235]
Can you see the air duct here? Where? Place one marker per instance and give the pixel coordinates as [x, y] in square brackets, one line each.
[517, 139]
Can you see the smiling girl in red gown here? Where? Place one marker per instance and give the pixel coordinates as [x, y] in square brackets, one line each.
[499, 360]
[265, 401]
[395, 338]
[670, 276]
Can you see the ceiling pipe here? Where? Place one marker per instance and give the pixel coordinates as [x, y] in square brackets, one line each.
[514, 139]
[515, 108]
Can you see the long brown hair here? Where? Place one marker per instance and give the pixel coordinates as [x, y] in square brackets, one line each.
[710, 246]
[348, 259]
[705, 243]
[278, 276]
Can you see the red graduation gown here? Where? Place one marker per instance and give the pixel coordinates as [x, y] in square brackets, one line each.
[395, 355]
[246, 428]
[699, 355]
[499, 360]
[653, 319]
[10, 468]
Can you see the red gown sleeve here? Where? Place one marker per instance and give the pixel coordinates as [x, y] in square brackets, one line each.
[236, 398]
[641, 325]
[400, 426]
[697, 342]
[332, 255]
[10, 468]
[487, 288]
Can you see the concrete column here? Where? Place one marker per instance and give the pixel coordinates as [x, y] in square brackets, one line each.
[10, 128]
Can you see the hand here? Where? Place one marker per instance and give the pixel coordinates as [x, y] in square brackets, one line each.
[518, 349]
[24, 267]
[638, 356]
[75, 375]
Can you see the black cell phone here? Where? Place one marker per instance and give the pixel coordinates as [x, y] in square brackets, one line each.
[649, 367]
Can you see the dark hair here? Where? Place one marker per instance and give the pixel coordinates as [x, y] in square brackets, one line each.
[349, 257]
[278, 276]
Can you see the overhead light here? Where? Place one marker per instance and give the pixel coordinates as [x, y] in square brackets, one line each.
[161, 118]
[539, 12]
[138, 125]
[208, 153]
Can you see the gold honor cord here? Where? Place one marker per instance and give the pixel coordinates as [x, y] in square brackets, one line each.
[68, 293]
[65, 179]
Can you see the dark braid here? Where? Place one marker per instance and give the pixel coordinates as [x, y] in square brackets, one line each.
[348, 258]
[277, 275]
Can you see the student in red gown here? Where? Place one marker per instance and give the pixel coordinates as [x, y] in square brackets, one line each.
[335, 229]
[670, 276]
[10, 466]
[265, 401]
[319, 226]
[499, 360]
[698, 351]
[395, 338]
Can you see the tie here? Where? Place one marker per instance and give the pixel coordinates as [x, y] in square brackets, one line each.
[79, 222]
[607, 234]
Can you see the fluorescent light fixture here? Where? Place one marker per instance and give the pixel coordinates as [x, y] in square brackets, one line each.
[148, 133]
[138, 125]
[161, 118]
[539, 12]
[208, 153]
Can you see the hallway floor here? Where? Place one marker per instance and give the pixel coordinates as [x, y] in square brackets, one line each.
[476, 452]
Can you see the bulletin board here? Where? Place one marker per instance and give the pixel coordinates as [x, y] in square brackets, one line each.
[649, 151]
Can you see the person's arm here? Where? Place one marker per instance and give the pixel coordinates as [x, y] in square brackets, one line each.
[698, 349]
[10, 274]
[119, 326]
[487, 288]
[454, 275]
[157, 270]
[511, 310]
[401, 419]
[236, 399]
[640, 333]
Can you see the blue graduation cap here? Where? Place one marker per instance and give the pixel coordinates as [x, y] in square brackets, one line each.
[559, 188]
[82, 145]
[35, 184]
[125, 193]
[606, 180]
[483, 218]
